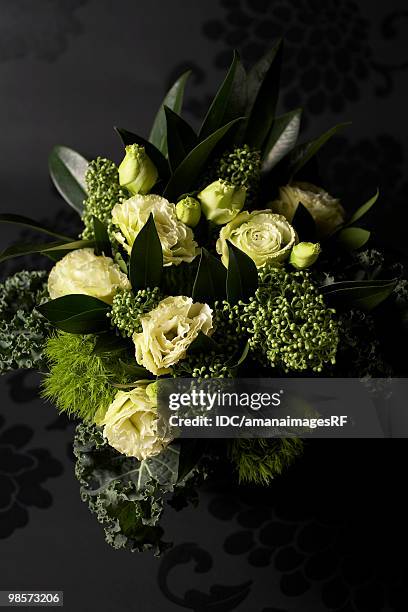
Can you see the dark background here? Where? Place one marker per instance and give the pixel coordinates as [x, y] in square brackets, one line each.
[325, 536]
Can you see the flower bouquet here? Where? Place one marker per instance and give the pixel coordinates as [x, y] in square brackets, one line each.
[204, 254]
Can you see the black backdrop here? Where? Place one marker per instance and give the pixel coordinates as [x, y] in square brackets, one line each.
[326, 535]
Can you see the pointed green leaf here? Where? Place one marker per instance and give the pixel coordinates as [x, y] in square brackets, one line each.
[155, 155]
[363, 209]
[352, 238]
[281, 138]
[209, 284]
[181, 138]
[304, 152]
[242, 275]
[18, 250]
[174, 101]
[364, 295]
[102, 243]
[304, 224]
[27, 222]
[229, 102]
[76, 314]
[108, 343]
[67, 170]
[146, 259]
[190, 169]
[203, 344]
[263, 92]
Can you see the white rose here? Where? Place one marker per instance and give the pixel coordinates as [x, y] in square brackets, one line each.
[130, 424]
[82, 271]
[265, 237]
[326, 211]
[168, 331]
[176, 238]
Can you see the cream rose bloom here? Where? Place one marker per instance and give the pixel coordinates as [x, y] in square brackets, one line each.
[168, 331]
[176, 238]
[130, 424]
[326, 211]
[265, 237]
[82, 271]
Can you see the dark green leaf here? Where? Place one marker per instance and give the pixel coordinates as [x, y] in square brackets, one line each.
[174, 101]
[67, 169]
[263, 92]
[181, 138]
[109, 343]
[304, 224]
[135, 370]
[190, 169]
[128, 138]
[363, 209]
[304, 152]
[46, 248]
[239, 357]
[229, 102]
[76, 314]
[27, 222]
[364, 295]
[352, 238]
[146, 259]
[242, 275]
[203, 344]
[209, 284]
[101, 238]
[281, 138]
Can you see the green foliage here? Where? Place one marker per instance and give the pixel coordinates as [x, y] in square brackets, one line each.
[80, 382]
[23, 330]
[104, 191]
[127, 308]
[127, 495]
[289, 323]
[260, 460]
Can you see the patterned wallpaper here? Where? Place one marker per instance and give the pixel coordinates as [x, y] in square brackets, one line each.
[325, 536]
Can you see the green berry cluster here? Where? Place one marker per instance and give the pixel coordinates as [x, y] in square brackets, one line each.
[127, 308]
[104, 191]
[288, 322]
[203, 366]
[242, 168]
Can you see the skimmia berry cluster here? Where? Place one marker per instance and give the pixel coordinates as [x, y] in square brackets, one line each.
[289, 323]
[104, 191]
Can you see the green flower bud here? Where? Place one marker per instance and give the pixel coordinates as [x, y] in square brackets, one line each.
[304, 255]
[221, 201]
[137, 172]
[188, 210]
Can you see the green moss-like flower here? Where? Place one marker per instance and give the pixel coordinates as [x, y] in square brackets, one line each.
[127, 308]
[289, 323]
[104, 191]
[23, 330]
[241, 167]
[80, 382]
[260, 460]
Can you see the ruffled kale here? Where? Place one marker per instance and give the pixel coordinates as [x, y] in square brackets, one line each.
[23, 330]
[126, 495]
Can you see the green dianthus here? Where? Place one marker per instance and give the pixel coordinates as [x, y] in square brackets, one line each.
[260, 460]
[80, 382]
